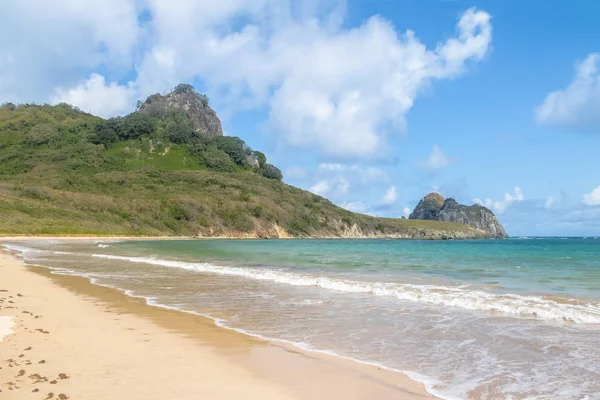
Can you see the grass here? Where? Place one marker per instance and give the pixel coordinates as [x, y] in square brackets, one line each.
[58, 182]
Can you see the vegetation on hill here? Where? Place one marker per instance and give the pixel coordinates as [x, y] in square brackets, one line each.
[63, 171]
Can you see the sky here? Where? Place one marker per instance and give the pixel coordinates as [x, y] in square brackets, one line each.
[372, 104]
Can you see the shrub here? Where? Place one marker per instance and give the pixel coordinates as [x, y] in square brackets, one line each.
[217, 160]
[179, 130]
[244, 195]
[204, 100]
[262, 159]
[257, 211]
[272, 172]
[135, 125]
[183, 88]
[234, 146]
[37, 192]
[41, 134]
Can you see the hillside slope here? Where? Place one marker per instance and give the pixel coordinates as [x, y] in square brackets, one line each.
[160, 171]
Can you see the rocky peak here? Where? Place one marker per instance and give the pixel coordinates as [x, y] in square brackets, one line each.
[195, 106]
[428, 207]
[434, 207]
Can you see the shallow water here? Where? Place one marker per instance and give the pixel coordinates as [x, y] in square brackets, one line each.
[516, 318]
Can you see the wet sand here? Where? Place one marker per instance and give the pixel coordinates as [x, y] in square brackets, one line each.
[76, 340]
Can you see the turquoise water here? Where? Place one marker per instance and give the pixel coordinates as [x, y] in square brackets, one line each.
[515, 318]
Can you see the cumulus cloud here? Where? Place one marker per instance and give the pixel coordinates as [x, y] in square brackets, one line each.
[436, 160]
[358, 175]
[338, 186]
[339, 91]
[406, 211]
[592, 198]
[321, 188]
[98, 97]
[500, 206]
[389, 198]
[45, 44]
[355, 206]
[578, 105]
[550, 202]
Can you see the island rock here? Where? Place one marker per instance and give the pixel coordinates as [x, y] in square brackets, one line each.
[434, 207]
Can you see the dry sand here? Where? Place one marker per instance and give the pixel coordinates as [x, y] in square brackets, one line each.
[76, 340]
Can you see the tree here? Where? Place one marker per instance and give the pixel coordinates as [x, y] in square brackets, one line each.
[9, 106]
[183, 88]
[135, 125]
[234, 146]
[272, 172]
[179, 129]
[204, 100]
[262, 159]
[217, 160]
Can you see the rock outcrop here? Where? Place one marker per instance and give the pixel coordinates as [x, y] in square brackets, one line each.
[435, 208]
[195, 106]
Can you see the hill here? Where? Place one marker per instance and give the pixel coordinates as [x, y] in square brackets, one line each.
[434, 207]
[165, 169]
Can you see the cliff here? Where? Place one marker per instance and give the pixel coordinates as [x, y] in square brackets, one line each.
[184, 99]
[434, 207]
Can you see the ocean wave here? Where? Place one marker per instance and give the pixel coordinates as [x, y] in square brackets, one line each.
[475, 300]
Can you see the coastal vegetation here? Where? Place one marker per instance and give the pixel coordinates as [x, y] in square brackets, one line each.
[165, 169]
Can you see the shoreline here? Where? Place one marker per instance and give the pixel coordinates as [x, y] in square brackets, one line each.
[285, 371]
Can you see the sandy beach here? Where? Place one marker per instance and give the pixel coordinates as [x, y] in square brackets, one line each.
[72, 339]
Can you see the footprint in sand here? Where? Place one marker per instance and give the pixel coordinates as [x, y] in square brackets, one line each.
[37, 378]
[49, 396]
[63, 376]
[62, 396]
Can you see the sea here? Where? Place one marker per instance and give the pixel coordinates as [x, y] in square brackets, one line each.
[517, 318]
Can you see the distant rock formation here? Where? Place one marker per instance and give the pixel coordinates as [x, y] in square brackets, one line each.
[195, 106]
[435, 208]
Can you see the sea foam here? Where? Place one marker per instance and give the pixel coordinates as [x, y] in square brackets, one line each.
[458, 297]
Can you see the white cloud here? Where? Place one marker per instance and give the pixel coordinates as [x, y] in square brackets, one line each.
[550, 201]
[44, 45]
[359, 175]
[592, 198]
[356, 206]
[337, 186]
[578, 105]
[406, 211]
[436, 160]
[98, 97]
[339, 91]
[390, 197]
[321, 188]
[500, 206]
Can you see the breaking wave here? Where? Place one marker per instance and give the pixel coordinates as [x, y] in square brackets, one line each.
[476, 300]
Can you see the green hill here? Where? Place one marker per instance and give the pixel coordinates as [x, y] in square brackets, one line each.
[165, 169]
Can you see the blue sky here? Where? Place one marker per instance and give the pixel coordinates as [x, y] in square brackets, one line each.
[496, 101]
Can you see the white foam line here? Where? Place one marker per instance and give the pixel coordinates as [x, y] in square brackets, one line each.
[427, 382]
[474, 300]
